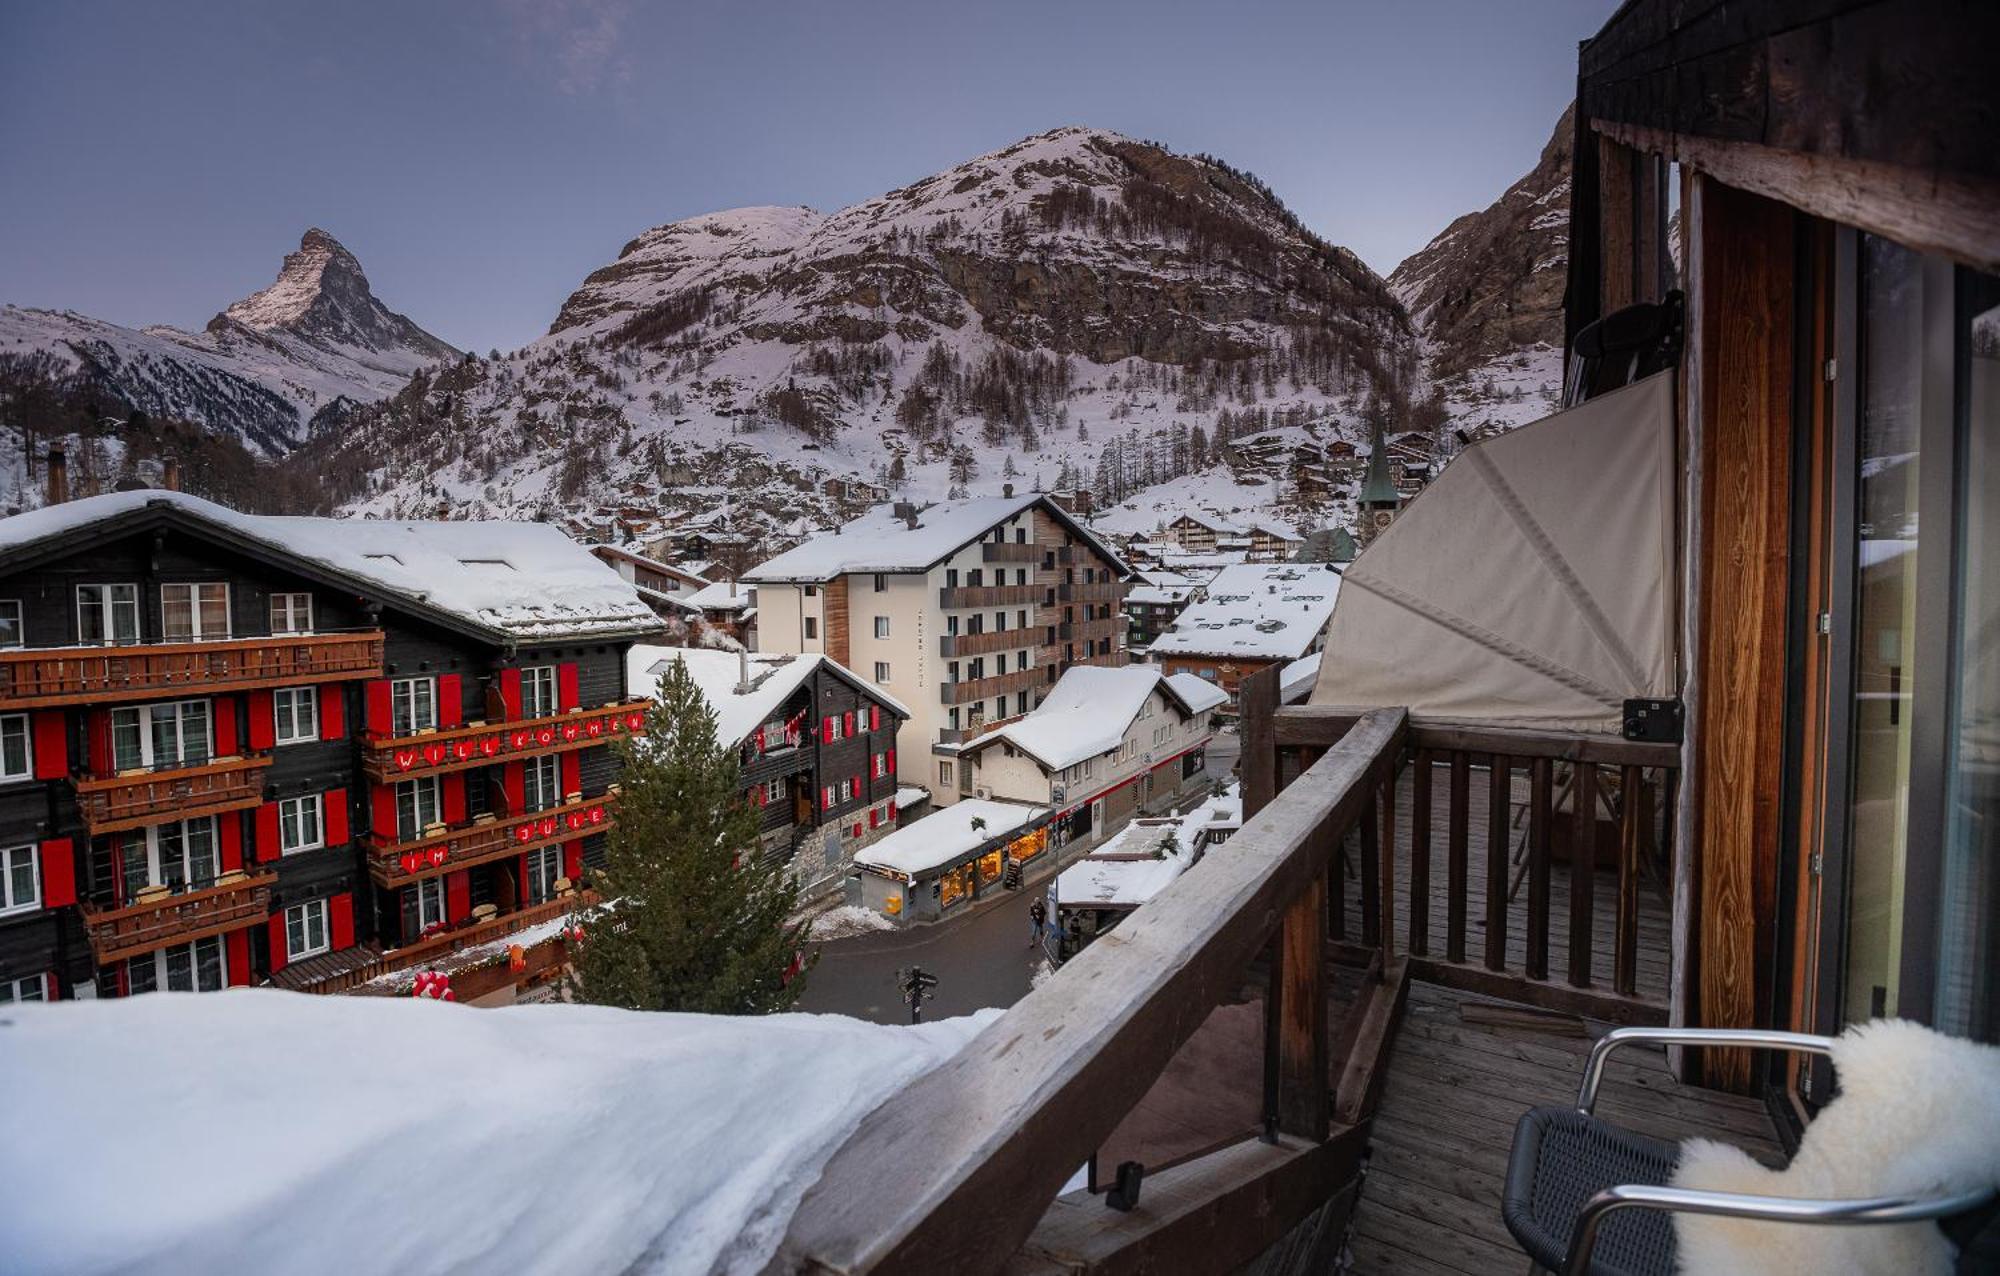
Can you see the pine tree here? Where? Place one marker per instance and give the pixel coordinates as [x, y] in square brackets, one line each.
[700, 920]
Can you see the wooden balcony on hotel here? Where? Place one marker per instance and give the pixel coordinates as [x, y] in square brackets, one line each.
[388, 759]
[138, 798]
[985, 688]
[395, 863]
[1010, 552]
[155, 920]
[958, 596]
[36, 678]
[1101, 591]
[952, 646]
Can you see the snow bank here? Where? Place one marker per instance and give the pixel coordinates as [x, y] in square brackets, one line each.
[262, 1131]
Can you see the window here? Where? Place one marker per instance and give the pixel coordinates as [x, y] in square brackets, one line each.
[196, 967]
[944, 774]
[881, 583]
[541, 783]
[194, 613]
[538, 692]
[291, 613]
[812, 591]
[430, 904]
[33, 988]
[881, 626]
[846, 790]
[301, 826]
[832, 727]
[417, 807]
[305, 930]
[413, 705]
[107, 613]
[544, 867]
[174, 734]
[812, 627]
[179, 856]
[22, 889]
[17, 755]
[296, 710]
[951, 578]
[10, 623]
[774, 791]
[881, 671]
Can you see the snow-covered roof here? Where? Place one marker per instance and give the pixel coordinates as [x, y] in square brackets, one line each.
[1159, 595]
[650, 564]
[718, 673]
[1143, 858]
[1088, 711]
[1265, 611]
[518, 581]
[1214, 523]
[1277, 528]
[723, 596]
[878, 541]
[909, 795]
[1296, 682]
[946, 835]
[585, 1163]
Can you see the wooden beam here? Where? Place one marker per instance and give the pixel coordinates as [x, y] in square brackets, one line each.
[1298, 1008]
[1367, 1063]
[1609, 1007]
[1617, 232]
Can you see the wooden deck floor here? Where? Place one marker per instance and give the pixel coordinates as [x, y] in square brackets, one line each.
[1430, 1202]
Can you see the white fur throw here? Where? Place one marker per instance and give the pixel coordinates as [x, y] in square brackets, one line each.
[1918, 1113]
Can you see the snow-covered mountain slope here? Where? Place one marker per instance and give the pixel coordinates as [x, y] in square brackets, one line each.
[998, 322]
[267, 370]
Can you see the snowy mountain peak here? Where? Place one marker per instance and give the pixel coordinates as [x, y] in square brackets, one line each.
[322, 295]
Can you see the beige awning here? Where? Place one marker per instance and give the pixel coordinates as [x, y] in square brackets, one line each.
[1530, 585]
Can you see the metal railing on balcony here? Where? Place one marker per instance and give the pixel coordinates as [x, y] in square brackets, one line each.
[394, 862]
[33, 678]
[390, 758]
[135, 799]
[161, 916]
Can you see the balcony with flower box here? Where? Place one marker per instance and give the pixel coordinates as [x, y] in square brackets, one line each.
[134, 799]
[442, 849]
[45, 677]
[159, 915]
[387, 759]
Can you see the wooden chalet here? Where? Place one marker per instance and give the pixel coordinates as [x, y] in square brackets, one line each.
[1309, 1051]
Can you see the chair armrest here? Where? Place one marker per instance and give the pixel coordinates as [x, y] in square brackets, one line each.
[1593, 1071]
[1773, 1209]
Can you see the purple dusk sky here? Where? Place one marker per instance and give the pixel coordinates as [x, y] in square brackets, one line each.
[480, 159]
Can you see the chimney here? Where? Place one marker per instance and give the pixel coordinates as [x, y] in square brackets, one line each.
[170, 474]
[908, 513]
[58, 476]
[742, 670]
[1006, 489]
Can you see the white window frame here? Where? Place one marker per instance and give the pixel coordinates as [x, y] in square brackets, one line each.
[301, 823]
[774, 790]
[163, 968]
[285, 609]
[294, 696]
[415, 791]
[539, 696]
[537, 773]
[545, 869]
[194, 590]
[846, 791]
[10, 723]
[405, 701]
[143, 715]
[13, 990]
[186, 861]
[11, 899]
[881, 626]
[300, 921]
[111, 606]
[20, 624]
[881, 671]
[431, 890]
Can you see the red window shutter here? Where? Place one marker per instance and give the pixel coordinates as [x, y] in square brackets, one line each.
[382, 812]
[222, 713]
[874, 818]
[860, 786]
[826, 730]
[335, 803]
[268, 847]
[58, 873]
[280, 954]
[263, 722]
[573, 860]
[457, 895]
[856, 831]
[232, 840]
[380, 713]
[454, 798]
[847, 723]
[237, 945]
[340, 923]
[97, 729]
[826, 798]
[51, 745]
[450, 700]
[514, 779]
[510, 692]
[332, 711]
[568, 696]
[892, 761]
[874, 717]
[572, 773]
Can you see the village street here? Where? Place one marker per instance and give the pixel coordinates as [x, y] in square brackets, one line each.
[981, 957]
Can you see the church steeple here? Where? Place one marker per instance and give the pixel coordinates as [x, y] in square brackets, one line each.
[1379, 499]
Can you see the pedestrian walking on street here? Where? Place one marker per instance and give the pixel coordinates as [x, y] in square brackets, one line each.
[1038, 913]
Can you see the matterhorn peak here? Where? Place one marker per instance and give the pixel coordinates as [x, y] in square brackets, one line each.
[322, 295]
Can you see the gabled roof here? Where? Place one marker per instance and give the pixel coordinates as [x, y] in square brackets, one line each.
[879, 541]
[1257, 611]
[506, 582]
[720, 596]
[1090, 708]
[1214, 523]
[718, 674]
[650, 564]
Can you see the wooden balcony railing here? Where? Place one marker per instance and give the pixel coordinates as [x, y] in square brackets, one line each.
[395, 863]
[232, 902]
[1010, 552]
[114, 802]
[953, 646]
[961, 735]
[390, 758]
[1104, 591]
[994, 685]
[951, 596]
[44, 677]
[434, 951]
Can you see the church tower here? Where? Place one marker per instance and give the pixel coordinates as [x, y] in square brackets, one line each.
[1379, 499]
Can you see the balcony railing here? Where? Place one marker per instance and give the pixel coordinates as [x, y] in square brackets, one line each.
[394, 863]
[161, 917]
[952, 646]
[1010, 552]
[437, 950]
[128, 801]
[986, 688]
[1103, 591]
[43, 677]
[478, 744]
[957, 596]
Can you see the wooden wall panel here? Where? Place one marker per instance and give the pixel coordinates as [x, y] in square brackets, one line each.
[834, 596]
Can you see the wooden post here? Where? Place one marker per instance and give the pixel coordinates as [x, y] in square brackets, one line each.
[1420, 856]
[1455, 833]
[1582, 870]
[1625, 942]
[1386, 928]
[1298, 994]
[1499, 782]
[1371, 883]
[1540, 812]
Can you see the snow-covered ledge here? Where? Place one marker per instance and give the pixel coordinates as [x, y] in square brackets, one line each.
[258, 1130]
